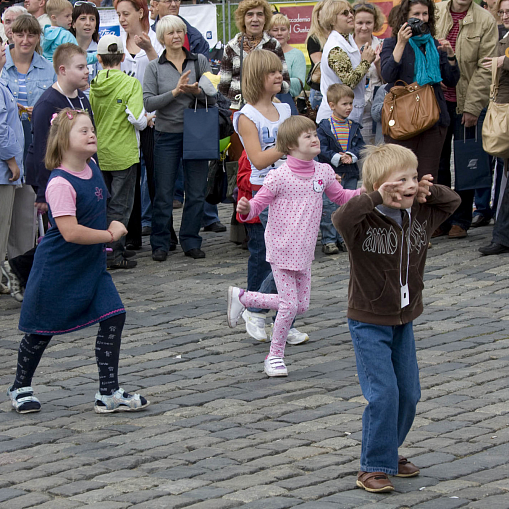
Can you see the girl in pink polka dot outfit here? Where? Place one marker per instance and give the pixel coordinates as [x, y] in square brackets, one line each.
[294, 193]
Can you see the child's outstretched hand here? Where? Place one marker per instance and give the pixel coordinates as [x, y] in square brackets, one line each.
[391, 194]
[424, 185]
[243, 206]
[338, 178]
[117, 229]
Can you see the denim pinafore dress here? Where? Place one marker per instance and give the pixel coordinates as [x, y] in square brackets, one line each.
[69, 287]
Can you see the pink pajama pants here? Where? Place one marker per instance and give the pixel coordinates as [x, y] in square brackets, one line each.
[294, 289]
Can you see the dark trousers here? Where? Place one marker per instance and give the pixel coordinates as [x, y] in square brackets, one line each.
[501, 229]
[463, 215]
[426, 146]
[22, 265]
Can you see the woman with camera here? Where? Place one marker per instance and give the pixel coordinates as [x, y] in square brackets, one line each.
[413, 55]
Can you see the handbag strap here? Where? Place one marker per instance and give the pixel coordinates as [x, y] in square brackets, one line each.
[241, 60]
[495, 76]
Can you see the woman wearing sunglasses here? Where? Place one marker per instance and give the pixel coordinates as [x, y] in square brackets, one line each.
[342, 62]
[85, 27]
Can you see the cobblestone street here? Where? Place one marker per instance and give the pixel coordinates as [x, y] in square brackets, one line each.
[220, 434]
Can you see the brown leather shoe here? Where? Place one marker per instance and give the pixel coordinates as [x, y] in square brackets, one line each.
[374, 482]
[406, 469]
[457, 232]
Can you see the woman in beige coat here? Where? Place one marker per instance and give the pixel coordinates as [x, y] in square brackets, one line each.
[500, 241]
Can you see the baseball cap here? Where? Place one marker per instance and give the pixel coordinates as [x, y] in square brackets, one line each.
[104, 45]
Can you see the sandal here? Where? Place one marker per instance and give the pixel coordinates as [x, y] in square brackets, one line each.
[23, 400]
[119, 401]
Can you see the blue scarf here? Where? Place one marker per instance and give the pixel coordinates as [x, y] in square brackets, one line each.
[427, 66]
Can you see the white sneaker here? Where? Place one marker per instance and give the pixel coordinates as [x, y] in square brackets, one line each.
[235, 307]
[13, 283]
[255, 325]
[294, 337]
[275, 366]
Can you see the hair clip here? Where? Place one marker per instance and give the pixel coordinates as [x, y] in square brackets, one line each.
[70, 116]
[53, 117]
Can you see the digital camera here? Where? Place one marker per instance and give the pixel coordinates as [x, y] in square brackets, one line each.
[418, 26]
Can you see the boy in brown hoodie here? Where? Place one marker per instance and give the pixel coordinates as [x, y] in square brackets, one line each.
[387, 231]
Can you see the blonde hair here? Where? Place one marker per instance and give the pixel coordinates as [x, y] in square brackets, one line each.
[247, 5]
[257, 66]
[289, 131]
[58, 138]
[167, 23]
[64, 53]
[337, 91]
[316, 30]
[379, 161]
[378, 16]
[330, 11]
[279, 20]
[55, 7]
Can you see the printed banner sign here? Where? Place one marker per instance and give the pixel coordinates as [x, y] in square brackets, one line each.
[202, 17]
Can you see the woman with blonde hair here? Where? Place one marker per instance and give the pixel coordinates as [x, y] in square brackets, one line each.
[315, 41]
[279, 28]
[252, 18]
[342, 62]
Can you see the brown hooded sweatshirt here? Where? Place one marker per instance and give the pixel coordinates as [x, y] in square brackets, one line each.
[380, 263]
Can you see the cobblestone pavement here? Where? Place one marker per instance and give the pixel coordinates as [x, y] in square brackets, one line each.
[220, 434]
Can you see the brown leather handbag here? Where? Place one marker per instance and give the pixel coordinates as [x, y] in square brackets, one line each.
[409, 110]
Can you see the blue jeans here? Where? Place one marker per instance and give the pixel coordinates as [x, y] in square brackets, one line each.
[146, 203]
[389, 377]
[167, 157]
[315, 98]
[210, 213]
[329, 234]
[257, 266]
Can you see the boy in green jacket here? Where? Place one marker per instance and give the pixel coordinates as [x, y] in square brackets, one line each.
[117, 103]
[387, 231]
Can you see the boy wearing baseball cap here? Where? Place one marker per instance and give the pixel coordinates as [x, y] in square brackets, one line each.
[117, 103]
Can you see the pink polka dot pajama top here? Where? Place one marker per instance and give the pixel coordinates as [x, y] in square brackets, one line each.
[294, 193]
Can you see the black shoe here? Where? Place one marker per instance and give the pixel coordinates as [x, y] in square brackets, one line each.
[123, 264]
[146, 230]
[159, 255]
[131, 246]
[128, 254]
[493, 248]
[173, 247]
[479, 220]
[195, 253]
[342, 247]
[216, 227]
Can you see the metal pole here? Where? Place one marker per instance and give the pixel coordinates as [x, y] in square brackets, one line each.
[224, 24]
[229, 23]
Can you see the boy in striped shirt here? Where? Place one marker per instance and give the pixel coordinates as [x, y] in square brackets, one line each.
[340, 144]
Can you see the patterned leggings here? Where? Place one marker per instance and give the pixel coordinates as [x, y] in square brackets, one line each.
[107, 350]
[294, 289]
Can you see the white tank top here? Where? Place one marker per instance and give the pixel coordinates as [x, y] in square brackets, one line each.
[267, 133]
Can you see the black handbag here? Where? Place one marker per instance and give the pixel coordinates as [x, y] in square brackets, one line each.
[472, 168]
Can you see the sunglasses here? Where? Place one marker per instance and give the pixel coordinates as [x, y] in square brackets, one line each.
[346, 12]
[82, 2]
[356, 7]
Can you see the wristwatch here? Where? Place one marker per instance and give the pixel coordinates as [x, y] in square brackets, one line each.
[452, 59]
